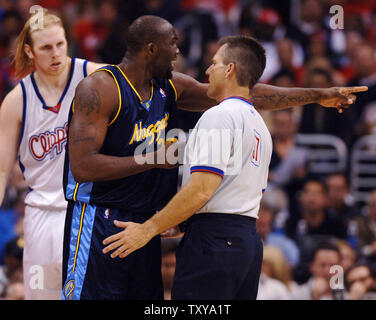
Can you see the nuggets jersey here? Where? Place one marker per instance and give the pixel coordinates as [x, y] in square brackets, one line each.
[135, 123]
[43, 138]
[231, 140]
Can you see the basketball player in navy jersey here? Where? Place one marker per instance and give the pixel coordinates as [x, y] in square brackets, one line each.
[115, 110]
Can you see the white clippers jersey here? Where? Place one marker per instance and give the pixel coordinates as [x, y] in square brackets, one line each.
[231, 140]
[43, 138]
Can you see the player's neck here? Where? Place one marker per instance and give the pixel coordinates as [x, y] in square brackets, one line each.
[137, 71]
[139, 75]
[58, 81]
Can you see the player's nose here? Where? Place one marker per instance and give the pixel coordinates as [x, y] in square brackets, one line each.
[55, 51]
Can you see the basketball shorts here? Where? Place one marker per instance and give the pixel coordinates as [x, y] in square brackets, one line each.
[43, 253]
[88, 274]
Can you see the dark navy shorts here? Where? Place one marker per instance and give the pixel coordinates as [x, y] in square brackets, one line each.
[90, 274]
[219, 258]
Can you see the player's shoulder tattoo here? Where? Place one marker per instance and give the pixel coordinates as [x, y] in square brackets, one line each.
[89, 100]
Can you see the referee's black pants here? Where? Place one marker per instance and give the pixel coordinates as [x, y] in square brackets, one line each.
[219, 258]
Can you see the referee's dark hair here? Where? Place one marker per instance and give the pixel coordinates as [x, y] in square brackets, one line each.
[249, 58]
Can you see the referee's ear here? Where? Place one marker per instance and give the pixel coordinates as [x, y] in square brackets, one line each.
[230, 70]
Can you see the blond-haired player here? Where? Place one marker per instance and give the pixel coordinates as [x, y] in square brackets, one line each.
[33, 129]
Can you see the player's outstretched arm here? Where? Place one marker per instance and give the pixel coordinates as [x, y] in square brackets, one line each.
[190, 198]
[192, 95]
[267, 97]
[10, 128]
[95, 105]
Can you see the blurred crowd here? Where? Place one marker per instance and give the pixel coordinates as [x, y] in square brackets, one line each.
[309, 222]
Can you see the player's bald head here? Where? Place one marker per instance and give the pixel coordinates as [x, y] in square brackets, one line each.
[144, 30]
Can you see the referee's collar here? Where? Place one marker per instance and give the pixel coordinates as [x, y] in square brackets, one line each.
[240, 98]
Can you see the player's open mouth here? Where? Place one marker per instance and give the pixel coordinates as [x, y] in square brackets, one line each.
[173, 63]
[55, 64]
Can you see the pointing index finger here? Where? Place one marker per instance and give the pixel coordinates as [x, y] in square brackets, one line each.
[347, 90]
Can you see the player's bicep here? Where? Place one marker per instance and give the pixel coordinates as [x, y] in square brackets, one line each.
[93, 107]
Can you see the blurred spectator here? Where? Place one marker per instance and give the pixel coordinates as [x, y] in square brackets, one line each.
[268, 23]
[288, 165]
[11, 271]
[367, 124]
[363, 8]
[284, 78]
[308, 21]
[364, 64]
[367, 228]
[313, 218]
[371, 30]
[317, 287]
[94, 26]
[312, 29]
[264, 227]
[271, 289]
[262, 21]
[169, 247]
[290, 58]
[195, 28]
[340, 200]
[277, 200]
[167, 9]
[15, 291]
[11, 221]
[288, 161]
[10, 26]
[210, 49]
[276, 279]
[316, 119]
[359, 282]
[347, 253]
[353, 40]
[322, 63]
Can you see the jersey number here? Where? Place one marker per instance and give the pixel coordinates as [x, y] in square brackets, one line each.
[256, 151]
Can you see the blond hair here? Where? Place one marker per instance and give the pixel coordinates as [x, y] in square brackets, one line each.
[23, 64]
[279, 266]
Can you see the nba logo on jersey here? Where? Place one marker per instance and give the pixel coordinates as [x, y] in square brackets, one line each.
[106, 213]
[163, 94]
